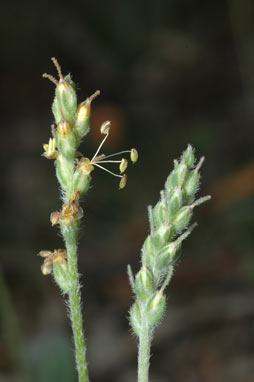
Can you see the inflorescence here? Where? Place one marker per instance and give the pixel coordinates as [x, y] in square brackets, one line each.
[73, 170]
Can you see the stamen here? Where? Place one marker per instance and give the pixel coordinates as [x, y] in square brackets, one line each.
[50, 78]
[113, 155]
[95, 155]
[58, 68]
[108, 161]
[99, 158]
[105, 169]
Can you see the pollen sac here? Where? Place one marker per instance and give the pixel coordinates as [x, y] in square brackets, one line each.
[47, 266]
[123, 165]
[55, 217]
[105, 127]
[134, 155]
[123, 181]
[45, 253]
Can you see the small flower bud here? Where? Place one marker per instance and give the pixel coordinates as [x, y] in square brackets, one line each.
[182, 218]
[123, 182]
[160, 214]
[171, 182]
[149, 247]
[143, 283]
[181, 172]
[61, 275]
[56, 111]
[188, 157]
[165, 232]
[191, 184]
[105, 127]
[175, 201]
[134, 155]
[167, 256]
[123, 165]
[136, 317]
[64, 170]
[156, 308]
[55, 217]
[82, 124]
[81, 181]
[66, 100]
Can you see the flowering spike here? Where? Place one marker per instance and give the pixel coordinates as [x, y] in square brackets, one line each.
[169, 221]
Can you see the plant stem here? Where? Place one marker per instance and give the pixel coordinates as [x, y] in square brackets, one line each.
[70, 236]
[144, 350]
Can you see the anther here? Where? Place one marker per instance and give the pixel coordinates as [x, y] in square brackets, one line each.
[123, 182]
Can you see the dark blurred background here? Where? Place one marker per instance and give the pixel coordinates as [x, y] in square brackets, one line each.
[171, 73]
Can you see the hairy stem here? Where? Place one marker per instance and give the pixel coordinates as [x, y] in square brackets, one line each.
[144, 351]
[70, 236]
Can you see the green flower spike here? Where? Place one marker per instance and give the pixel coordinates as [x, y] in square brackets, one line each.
[169, 226]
